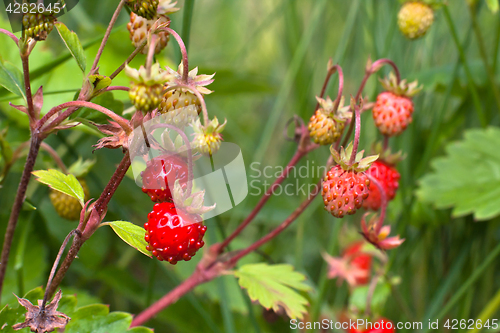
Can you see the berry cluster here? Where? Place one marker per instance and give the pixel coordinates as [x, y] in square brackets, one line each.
[173, 233]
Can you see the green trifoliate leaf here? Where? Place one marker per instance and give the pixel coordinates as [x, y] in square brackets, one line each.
[131, 234]
[273, 286]
[467, 179]
[67, 184]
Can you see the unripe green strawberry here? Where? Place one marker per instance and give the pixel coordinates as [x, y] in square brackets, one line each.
[66, 206]
[179, 105]
[327, 123]
[207, 139]
[414, 19]
[139, 28]
[38, 25]
[144, 8]
[146, 88]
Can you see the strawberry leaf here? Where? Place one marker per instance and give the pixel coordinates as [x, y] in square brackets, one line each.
[67, 184]
[131, 234]
[273, 287]
[73, 44]
[467, 179]
[11, 78]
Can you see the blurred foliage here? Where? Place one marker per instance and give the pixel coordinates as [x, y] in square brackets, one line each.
[270, 58]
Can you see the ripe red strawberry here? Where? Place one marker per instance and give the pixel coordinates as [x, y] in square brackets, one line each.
[173, 234]
[344, 191]
[385, 326]
[388, 178]
[394, 108]
[359, 260]
[160, 174]
[345, 186]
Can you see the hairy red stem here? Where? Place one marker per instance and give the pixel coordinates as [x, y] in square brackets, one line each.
[357, 133]
[170, 298]
[296, 213]
[182, 46]
[100, 206]
[295, 159]
[27, 88]
[107, 33]
[18, 204]
[331, 71]
[121, 121]
[383, 199]
[11, 35]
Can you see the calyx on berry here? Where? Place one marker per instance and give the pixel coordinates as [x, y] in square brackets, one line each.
[327, 123]
[207, 139]
[378, 235]
[360, 164]
[194, 80]
[146, 88]
[191, 202]
[403, 88]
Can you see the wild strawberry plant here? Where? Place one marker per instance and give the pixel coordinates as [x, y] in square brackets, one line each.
[169, 113]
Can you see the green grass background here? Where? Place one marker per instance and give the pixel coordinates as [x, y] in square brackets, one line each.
[270, 57]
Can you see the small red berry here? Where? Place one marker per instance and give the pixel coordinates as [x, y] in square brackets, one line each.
[359, 260]
[392, 113]
[344, 191]
[173, 234]
[160, 174]
[388, 178]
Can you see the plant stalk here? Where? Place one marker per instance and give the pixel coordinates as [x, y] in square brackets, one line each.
[100, 207]
[18, 204]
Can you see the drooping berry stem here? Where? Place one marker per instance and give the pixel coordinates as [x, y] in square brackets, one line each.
[111, 88]
[383, 202]
[357, 133]
[170, 298]
[107, 33]
[151, 53]
[182, 46]
[100, 207]
[27, 88]
[295, 159]
[386, 143]
[189, 152]
[129, 59]
[78, 234]
[120, 120]
[295, 214]
[384, 61]
[333, 69]
[18, 203]
[55, 156]
[369, 71]
[11, 35]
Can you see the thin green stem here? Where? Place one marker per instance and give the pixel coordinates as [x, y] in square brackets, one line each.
[484, 55]
[472, 85]
[469, 282]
